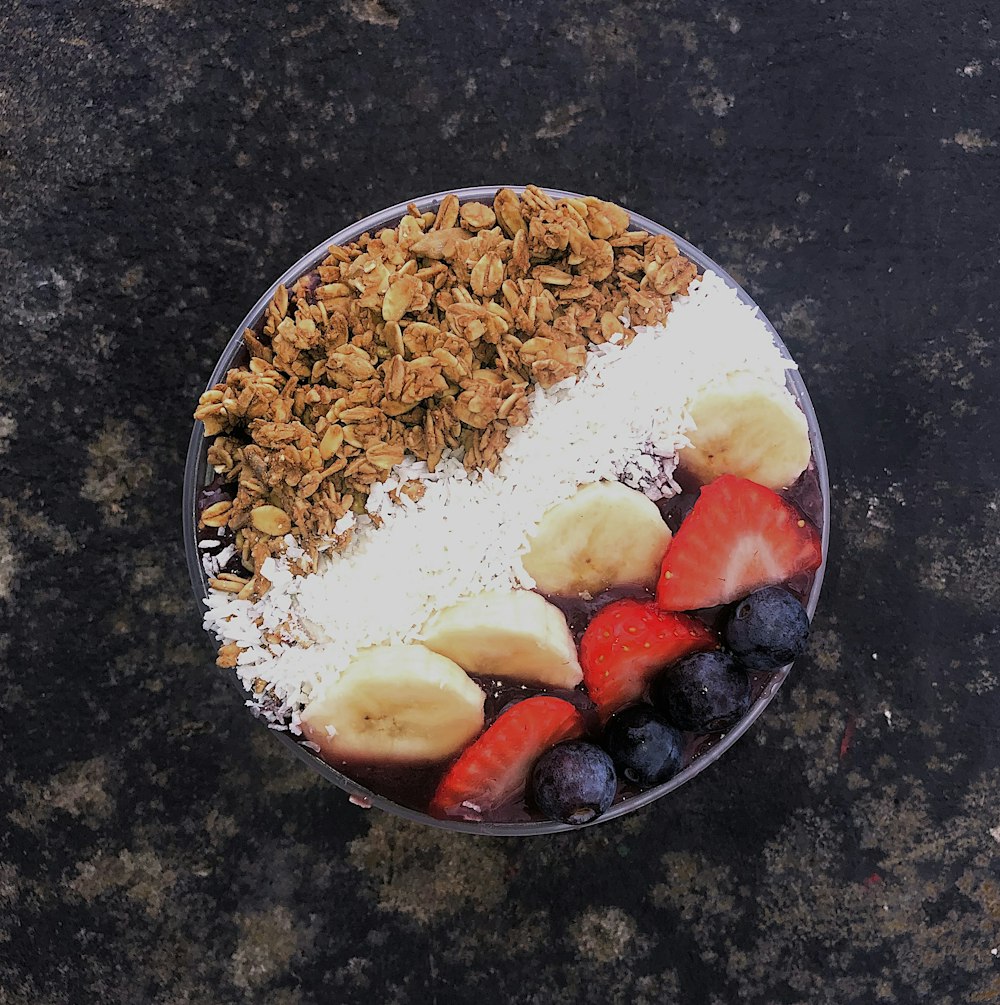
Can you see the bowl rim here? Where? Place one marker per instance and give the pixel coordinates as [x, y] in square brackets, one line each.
[196, 469]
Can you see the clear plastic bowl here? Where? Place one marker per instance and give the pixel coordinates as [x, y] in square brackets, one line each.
[197, 474]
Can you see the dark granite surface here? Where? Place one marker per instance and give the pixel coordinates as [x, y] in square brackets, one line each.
[161, 161]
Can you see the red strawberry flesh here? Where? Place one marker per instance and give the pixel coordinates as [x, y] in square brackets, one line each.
[738, 538]
[628, 643]
[493, 770]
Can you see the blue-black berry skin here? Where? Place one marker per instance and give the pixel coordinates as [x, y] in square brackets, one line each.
[574, 782]
[702, 693]
[766, 630]
[646, 749]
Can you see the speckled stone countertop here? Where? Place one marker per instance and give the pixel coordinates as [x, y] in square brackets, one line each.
[161, 161]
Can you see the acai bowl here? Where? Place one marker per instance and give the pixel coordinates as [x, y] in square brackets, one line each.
[508, 510]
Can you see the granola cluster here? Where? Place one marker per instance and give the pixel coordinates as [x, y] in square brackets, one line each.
[420, 338]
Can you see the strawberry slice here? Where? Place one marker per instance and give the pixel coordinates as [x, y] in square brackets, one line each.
[494, 769]
[738, 537]
[628, 643]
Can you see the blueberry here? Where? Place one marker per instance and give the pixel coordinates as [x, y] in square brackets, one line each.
[702, 693]
[574, 782]
[767, 630]
[646, 749]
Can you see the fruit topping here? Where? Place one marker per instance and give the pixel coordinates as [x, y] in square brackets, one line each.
[702, 693]
[739, 537]
[399, 704]
[494, 769]
[511, 635]
[605, 535]
[646, 749]
[573, 782]
[746, 426]
[627, 643]
[767, 630]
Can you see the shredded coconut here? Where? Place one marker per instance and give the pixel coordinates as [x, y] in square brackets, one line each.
[624, 419]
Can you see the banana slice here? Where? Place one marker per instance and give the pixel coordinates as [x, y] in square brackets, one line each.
[605, 535]
[514, 635]
[746, 426]
[395, 704]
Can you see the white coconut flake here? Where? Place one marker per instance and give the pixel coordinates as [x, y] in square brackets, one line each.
[624, 419]
[215, 562]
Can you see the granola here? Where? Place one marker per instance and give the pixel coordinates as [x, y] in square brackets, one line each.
[422, 338]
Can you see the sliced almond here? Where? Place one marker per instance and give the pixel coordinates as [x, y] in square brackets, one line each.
[447, 214]
[440, 244]
[271, 520]
[507, 207]
[552, 276]
[477, 216]
[217, 514]
[399, 296]
[331, 442]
